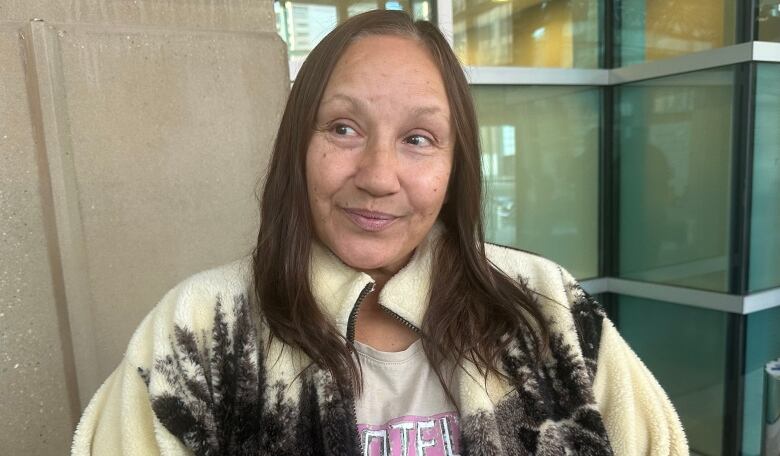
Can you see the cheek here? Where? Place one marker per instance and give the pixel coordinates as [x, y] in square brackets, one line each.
[325, 175]
[430, 189]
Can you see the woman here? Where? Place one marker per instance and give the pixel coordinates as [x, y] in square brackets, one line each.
[401, 333]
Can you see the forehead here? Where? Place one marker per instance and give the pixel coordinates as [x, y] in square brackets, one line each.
[379, 66]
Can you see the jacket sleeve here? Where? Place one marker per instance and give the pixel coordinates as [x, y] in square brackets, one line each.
[189, 382]
[638, 415]
[119, 419]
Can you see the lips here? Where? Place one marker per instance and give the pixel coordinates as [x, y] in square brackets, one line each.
[369, 220]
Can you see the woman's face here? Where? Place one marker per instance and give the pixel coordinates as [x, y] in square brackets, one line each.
[379, 162]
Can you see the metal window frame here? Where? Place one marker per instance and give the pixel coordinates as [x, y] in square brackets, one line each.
[737, 303]
[742, 188]
[757, 51]
[609, 172]
[444, 19]
[703, 299]
[747, 52]
[742, 53]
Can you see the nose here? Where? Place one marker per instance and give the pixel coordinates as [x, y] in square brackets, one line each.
[377, 172]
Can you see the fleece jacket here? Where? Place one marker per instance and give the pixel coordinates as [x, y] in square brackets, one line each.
[202, 376]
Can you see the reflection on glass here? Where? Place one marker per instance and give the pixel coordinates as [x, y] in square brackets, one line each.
[530, 33]
[302, 25]
[762, 346]
[673, 142]
[685, 348]
[765, 223]
[658, 29]
[768, 20]
[540, 163]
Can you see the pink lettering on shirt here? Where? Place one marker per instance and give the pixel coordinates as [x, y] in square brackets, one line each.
[437, 435]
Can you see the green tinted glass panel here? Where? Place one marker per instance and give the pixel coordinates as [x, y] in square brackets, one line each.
[529, 33]
[659, 29]
[765, 211]
[673, 143]
[685, 348]
[540, 163]
[768, 20]
[303, 24]
[762, 346]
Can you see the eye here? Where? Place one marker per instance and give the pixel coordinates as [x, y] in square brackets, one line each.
[344, 130]
[418, 140]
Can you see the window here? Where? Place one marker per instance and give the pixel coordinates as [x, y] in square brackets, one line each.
[659, 29]
[768, 20]
[302, 25]
[685, 348]
[674, 146]
[535, 33]
[765, 210]
[540, 163]
[763, 345]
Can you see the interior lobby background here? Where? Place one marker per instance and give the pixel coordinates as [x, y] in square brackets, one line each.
[636, 142]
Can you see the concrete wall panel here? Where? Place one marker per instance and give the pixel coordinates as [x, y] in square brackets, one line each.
[38, 407]
[169, 133]
[132, 138]
[232, 15]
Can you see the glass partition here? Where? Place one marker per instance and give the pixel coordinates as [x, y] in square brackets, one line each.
[768, 20]
[303, 24]
[528, 33]
[765, 210]
[673, 142]
[762, 346]
[685, 348]
[659, 29]
[540, 162]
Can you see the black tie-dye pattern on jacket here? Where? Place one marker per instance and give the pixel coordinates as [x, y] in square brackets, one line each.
[219, 403]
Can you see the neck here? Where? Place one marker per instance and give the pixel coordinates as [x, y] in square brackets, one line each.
[383, 274]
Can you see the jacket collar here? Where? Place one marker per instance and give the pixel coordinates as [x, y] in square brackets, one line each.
[337, 287]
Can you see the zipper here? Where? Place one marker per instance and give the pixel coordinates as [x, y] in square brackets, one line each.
[353, 315]
[351, 323]
[351, 338]
[404, 321]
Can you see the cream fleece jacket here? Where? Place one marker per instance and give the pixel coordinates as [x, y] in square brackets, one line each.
[198, 378]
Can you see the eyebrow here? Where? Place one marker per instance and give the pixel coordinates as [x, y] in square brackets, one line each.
[357, 104]
[362, 107]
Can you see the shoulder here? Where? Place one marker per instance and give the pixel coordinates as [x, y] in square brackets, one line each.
[186, 360]
[541, 275]
[190, 314]
[572, 311]
[227, 279]
[198, 295]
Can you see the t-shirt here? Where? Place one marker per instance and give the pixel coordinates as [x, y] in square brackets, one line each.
[404, 410]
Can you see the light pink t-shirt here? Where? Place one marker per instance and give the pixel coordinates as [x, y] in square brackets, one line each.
[403, 410]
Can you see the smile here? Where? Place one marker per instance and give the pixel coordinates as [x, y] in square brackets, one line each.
[370, 221]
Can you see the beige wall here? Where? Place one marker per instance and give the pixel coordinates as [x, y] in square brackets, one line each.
[132, 136]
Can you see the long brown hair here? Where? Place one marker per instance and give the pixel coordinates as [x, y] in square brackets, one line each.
[475, 306]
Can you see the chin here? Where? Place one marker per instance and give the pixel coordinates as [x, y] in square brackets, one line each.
[365, 258]
[364, 262]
